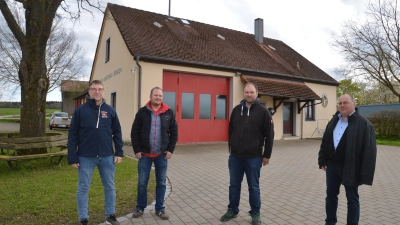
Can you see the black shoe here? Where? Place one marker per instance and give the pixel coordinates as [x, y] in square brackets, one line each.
[137, 213]
[228, 215]
[84, 222]
[111, 219]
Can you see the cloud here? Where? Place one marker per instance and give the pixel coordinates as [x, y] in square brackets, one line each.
[357, 5]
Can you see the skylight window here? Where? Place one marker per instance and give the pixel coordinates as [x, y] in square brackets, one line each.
[271, 47]
[222, 37]
[157, 24]
[185, 22]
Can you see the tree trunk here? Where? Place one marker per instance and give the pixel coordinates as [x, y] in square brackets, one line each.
[32, 75]
[34, 85]
[33, 106]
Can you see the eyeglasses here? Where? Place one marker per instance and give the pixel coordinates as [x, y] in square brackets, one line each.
[344, 103]
[96, 89]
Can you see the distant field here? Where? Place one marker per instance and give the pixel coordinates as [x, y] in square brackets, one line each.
[9, 111]
[17, 111]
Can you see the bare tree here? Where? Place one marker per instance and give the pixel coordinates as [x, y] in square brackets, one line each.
[371, 48]
[32, 69]
[64, 59]
[377, 94]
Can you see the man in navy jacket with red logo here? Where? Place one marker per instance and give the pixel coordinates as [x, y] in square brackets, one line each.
[94, 127]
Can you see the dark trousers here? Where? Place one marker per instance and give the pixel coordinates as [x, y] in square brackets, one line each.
[334, 176]
[238, 166]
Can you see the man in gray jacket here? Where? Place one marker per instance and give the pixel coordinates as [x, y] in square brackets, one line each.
[348, 156]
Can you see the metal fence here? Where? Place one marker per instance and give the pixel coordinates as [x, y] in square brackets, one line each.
[366, 110]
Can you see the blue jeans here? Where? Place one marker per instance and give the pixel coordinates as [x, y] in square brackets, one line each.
[106, 168]
[334, 176]
[238, 166]
[144, 168]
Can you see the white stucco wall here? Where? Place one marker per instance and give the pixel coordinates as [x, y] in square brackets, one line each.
[116, 75]
[322, 114]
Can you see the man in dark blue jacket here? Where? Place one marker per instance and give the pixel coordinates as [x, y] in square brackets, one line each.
[94, 127]
[154, 135]
[348, 156]
[250, 130]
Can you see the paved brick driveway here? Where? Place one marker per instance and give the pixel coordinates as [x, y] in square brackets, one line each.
[292, 187]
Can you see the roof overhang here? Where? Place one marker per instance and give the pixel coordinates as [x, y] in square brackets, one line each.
[282, 88]
[269, 74]
[82, 94]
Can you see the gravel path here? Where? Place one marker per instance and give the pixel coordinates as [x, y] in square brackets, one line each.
[9, 127]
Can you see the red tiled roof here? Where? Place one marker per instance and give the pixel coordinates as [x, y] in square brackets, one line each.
[160, 37]
[282, 88]
[73, 85]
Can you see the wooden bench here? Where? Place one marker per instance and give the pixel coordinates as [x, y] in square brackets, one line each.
[55, 142]
[10, 158]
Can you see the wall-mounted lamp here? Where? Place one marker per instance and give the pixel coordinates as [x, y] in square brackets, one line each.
[133, 70]
[238, 74]
[272, 111]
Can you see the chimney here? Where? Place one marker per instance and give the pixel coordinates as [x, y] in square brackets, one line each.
[259, 30]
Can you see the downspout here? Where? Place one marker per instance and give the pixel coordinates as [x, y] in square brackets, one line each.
[302, 121]
[139, 82]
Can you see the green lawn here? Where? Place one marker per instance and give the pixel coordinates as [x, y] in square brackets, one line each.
[38, 192]
[390, 142]
[17, 111]
[9, 111]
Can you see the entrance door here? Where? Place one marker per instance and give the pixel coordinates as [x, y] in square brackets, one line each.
[287, 118]
[200, 105]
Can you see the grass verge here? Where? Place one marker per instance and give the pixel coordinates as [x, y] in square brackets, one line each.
[17, 120]
[40, 192]
[388, 141]
[9, 120]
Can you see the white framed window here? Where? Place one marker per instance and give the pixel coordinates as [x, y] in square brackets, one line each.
[309, 111]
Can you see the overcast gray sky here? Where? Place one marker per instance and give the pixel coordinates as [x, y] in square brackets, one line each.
[306, 25]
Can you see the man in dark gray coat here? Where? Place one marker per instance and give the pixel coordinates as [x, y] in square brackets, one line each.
[348, 155]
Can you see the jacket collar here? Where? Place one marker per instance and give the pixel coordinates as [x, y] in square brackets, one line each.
[92, 102]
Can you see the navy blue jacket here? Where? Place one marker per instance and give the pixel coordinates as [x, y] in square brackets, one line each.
[92, 132]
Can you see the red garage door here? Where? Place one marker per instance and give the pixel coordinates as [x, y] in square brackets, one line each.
[200, 104]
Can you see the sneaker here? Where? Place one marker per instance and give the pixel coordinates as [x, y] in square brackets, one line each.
[137, 213]
[255, 218]
[111, 219]
[162, 215]
[84, 222]
[228, 215]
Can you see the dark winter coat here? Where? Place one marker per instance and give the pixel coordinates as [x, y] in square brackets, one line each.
[250, 130]
[360, 153]
[140, 132]
[92, 132]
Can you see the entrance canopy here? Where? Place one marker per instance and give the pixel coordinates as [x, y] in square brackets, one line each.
[282, 90]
